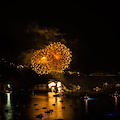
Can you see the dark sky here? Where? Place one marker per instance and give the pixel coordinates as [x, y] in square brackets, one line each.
[92, 30]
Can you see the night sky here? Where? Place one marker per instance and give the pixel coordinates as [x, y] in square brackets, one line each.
[91, 29]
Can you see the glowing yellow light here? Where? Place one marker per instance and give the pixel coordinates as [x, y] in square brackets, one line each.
[59, 89]
[97, 89]
[51, 84]
[58, 84]
[56, 57]
[8, 85]
[115, 100]
[43, 58]
[53, 89]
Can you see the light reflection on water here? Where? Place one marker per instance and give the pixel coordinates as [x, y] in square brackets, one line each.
[8, 108]
[64, 109]
[71, 108]
[116, 103]
[58, 105]
[86, 106]
[48, 102]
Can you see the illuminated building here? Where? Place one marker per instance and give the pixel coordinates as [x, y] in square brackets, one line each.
[55, 86]
[40, 87]
[105, 84]
[117, 85]
[97, 89]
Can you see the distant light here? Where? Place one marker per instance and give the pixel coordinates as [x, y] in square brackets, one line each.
[58, 84]
[78, 87]
[8, 85]
[20, 67]
[51, 84]
[59, 89]
[117, 85]
[105, 84]
[53, 89]
[97, 89]
[111, 114]
[91, 98]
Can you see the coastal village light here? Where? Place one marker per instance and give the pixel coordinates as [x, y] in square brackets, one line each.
[58, 84]
[105, 84]
[55, 86]
[97, 89]
[52, 84]
[117, 85]
[8, 85]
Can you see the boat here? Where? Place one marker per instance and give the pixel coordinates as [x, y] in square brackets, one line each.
[53, 104]
[51, 110]
[115, 94]
[35, 104]
[61, 101]
[58, 95]
[39, 115]
[48, 111]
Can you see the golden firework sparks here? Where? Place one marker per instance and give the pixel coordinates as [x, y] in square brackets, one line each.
[56, 57]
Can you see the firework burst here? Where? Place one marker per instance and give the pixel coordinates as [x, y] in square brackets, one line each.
[56, 57]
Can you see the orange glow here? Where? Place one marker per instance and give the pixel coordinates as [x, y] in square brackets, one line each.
[47, 101]
[115, 100]
[59, 89]
[57, 107]
[53, 89]
[55, 58]
[57, 55]
[43, 58]
[97, 89]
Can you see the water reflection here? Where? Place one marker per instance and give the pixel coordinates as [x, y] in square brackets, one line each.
[45, 104]
[59, 107]
[53, 108]
[8, 109]
[115, 103]
[54, 103]
[115, 100]
[86, 105]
